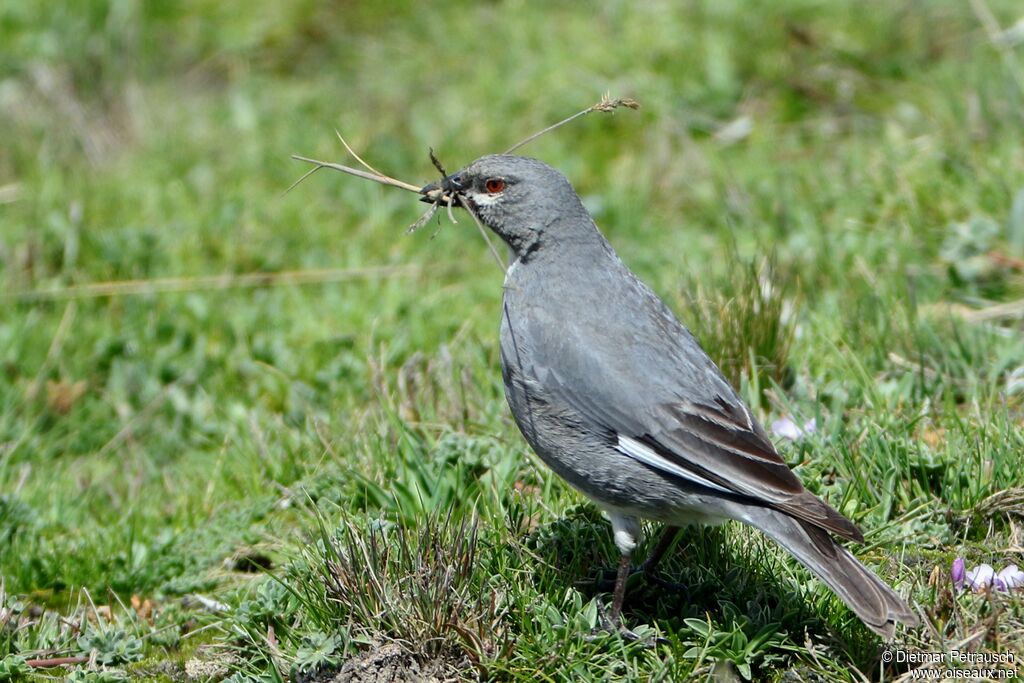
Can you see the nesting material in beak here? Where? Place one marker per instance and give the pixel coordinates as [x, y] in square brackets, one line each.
[445, 191]
[432, 193]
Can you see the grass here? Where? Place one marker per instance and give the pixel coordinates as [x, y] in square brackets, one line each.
[815, 188]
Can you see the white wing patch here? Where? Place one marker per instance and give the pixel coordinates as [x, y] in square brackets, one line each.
[641, 452]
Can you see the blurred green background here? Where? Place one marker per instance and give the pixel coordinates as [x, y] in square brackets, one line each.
[870, 151]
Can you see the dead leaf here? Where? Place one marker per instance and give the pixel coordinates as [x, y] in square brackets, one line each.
[934, 437]
[143, 608]
[101, 613]
[61, 396]
[526, 489]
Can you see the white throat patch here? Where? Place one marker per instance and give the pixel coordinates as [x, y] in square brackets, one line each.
[484, 198]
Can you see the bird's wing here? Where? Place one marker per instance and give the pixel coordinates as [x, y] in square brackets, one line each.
[669, 407]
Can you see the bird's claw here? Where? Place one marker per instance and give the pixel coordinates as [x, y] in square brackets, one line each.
[607, 625]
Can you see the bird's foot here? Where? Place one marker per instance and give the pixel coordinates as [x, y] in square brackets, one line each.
[608, 624]
[653, 579]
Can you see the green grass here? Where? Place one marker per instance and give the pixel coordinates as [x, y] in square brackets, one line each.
[331, 467]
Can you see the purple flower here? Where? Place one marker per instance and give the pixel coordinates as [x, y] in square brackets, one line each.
[957, 572]
[1008, 578]
[984, 577]
[785, 428]
[980, 578]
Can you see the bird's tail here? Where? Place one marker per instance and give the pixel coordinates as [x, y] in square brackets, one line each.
[877, 605]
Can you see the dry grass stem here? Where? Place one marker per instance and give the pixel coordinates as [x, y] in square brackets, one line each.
[375, 177]
[451, 216]
[301, 178]
[1006, 310]
[487, 238]
[606, 105]
[437, 164]
[424, 219]
[225, 281]
[56, 346]
[355, 156]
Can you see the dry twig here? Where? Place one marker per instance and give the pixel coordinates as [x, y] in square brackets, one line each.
[55, 661]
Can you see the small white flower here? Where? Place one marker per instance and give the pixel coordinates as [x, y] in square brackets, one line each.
[1009, 578]
[785, 428]
[980, 578]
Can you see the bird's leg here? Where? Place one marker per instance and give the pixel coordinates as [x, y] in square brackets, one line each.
[650, 565]
[626, 531]
[668, 536]
[620, 587]
[613, 623]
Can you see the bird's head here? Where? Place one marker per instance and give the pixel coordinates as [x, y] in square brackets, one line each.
[524, 201]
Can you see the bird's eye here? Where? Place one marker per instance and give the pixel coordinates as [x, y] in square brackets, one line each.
[494, 185]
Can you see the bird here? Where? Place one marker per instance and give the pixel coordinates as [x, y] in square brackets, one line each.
[618, 398]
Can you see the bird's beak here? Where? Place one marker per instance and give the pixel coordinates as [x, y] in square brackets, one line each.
[445, 190]
[430, 192]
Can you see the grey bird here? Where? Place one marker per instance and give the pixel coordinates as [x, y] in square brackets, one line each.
[619, 399]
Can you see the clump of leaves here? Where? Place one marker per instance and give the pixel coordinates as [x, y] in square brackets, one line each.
[428, 477]
[112, 645]
[965, 252]
[735, 644]
[273, 606]
[14, 668]
[318, 651]
[746, 327]
[97, 676]
[25, 627]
